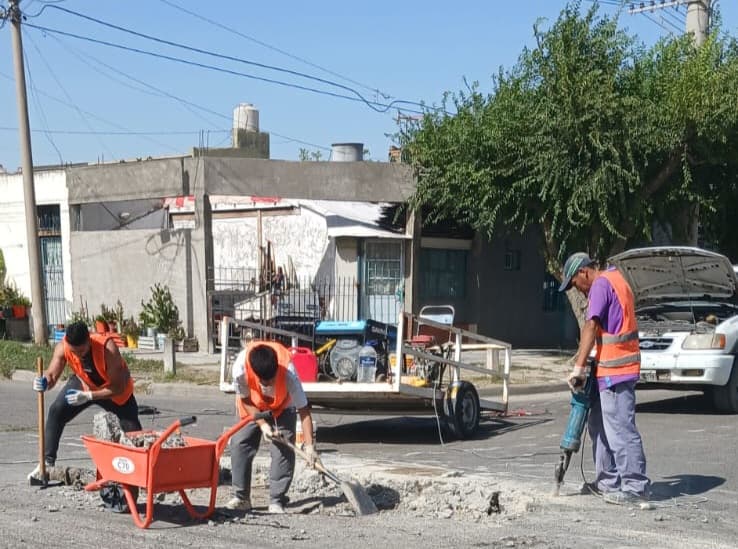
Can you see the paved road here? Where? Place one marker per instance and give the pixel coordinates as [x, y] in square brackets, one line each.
[691, 450]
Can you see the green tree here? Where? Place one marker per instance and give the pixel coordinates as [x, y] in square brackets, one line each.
[589, 139]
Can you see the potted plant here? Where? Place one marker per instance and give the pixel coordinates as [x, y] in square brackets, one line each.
[101, 325]
[160, 312]
[131, 331]
[20, 306]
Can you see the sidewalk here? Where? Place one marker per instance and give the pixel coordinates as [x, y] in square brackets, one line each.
[532, 370]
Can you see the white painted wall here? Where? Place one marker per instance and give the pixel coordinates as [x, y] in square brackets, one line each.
[50, 188]
[302, 237]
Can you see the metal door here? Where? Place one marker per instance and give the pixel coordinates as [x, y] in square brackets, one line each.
[53, 278]
[382, 276]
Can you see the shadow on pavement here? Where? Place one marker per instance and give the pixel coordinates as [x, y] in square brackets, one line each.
[686, 404]
[415, 430]
[684, 485]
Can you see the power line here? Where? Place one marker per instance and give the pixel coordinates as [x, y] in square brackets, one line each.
[373, 104]
[181, 100]
[69, 97]
[102, 132]
[274, 48]
[201, 51]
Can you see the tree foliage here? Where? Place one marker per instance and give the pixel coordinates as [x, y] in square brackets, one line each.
[591, 138]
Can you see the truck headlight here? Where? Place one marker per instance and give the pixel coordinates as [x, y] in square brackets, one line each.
[704, 341]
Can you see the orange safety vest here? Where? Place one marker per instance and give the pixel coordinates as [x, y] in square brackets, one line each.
[97, 348]
[281, 398]
[619, 354]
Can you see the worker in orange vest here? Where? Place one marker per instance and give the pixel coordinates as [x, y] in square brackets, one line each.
[265, 380]
[611, 327]
[99, 376]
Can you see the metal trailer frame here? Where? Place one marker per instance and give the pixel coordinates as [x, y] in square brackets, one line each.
[458, 403]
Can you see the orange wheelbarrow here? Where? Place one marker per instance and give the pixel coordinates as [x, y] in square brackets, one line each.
[158, 469]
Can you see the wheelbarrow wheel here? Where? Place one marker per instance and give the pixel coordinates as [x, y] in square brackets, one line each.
[114, 498]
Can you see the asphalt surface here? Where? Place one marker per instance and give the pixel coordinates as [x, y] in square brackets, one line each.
[690, 450]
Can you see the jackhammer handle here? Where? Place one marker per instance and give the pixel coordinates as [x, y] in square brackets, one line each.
[263, 415]
[187, 420]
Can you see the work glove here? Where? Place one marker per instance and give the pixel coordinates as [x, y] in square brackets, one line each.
[577, 378]
[77, 398]
[40, 384]
[267, 431]
[311, 455]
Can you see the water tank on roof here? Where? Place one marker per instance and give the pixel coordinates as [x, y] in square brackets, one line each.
[347, 152]
[246, 117]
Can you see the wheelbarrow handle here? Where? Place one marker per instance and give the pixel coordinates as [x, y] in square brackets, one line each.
[187, 420]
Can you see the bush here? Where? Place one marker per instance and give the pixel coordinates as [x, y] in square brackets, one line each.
[21, 356]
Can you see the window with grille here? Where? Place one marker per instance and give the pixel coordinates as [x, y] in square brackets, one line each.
[442, 273]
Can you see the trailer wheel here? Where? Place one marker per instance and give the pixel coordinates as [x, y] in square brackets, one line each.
[114, 498]
[462, 409]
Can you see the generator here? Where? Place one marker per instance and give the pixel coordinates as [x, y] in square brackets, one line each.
[350, 336]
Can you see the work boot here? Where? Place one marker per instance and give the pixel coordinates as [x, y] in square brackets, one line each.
[625, 498]
[36, 473]
[238, 504]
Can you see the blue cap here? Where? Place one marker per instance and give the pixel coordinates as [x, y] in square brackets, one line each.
[575, 262]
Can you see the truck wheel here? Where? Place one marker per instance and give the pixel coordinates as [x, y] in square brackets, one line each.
[462, 409]
[725, 398]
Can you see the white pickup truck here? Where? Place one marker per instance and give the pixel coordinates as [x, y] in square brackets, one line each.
[687, 311]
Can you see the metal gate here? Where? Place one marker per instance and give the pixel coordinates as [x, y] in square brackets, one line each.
[53, 279]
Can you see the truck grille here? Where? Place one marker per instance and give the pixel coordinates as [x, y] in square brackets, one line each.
[655, 343]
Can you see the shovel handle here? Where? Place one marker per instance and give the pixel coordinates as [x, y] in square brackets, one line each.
[41, 427]
[318, 465]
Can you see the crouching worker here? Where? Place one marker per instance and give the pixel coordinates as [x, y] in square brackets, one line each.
[100, 376]
[266, 380]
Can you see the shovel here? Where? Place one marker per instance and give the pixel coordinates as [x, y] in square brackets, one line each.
[355, 494]
[43, 478]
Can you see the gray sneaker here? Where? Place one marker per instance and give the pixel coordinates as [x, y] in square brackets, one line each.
[238, 504]
[276, 509]
[624, 498]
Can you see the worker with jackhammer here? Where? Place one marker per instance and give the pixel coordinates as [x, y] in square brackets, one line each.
[610, 326]
[265, 380]
[99, 376]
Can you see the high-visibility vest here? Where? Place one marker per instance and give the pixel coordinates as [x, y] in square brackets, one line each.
[619, 354]
[97, 348]
[257, 399]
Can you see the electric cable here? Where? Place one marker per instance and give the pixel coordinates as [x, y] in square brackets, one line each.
[274, 48]
[359, 96]
[376, 106]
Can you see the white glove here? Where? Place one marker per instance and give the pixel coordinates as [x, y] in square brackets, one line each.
[311, 455]
[577, 378]
[40, 384]
[77, 398]
[267, 431]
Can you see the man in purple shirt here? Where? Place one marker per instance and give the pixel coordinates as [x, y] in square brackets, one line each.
[620, 462]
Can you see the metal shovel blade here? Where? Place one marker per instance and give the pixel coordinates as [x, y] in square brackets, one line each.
[362, 502]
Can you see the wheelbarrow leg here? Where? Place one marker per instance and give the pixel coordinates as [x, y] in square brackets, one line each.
[134, 511]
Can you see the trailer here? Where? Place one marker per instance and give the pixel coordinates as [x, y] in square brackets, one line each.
[423, 374]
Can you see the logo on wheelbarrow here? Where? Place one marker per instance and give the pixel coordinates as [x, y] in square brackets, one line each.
[123, 465]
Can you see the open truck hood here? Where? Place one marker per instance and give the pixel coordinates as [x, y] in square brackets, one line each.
[676, 273]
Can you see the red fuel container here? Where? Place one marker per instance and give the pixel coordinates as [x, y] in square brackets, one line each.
[306, 363]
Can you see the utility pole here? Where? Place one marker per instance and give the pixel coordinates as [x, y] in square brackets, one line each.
[698, 14]
[697, 23]
[29, 195]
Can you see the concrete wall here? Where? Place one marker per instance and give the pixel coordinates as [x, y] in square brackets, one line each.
[508, 304]
[360, 181]
[300, 237]
[124, 265]
[50, 188]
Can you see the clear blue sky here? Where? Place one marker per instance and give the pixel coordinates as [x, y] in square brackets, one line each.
[411, 50]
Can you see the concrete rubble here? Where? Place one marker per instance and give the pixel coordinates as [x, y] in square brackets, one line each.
[106, 426]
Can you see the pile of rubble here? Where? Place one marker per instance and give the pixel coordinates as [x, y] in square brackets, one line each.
[106, 426]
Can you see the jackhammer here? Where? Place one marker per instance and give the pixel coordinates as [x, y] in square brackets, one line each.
[572, 440]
